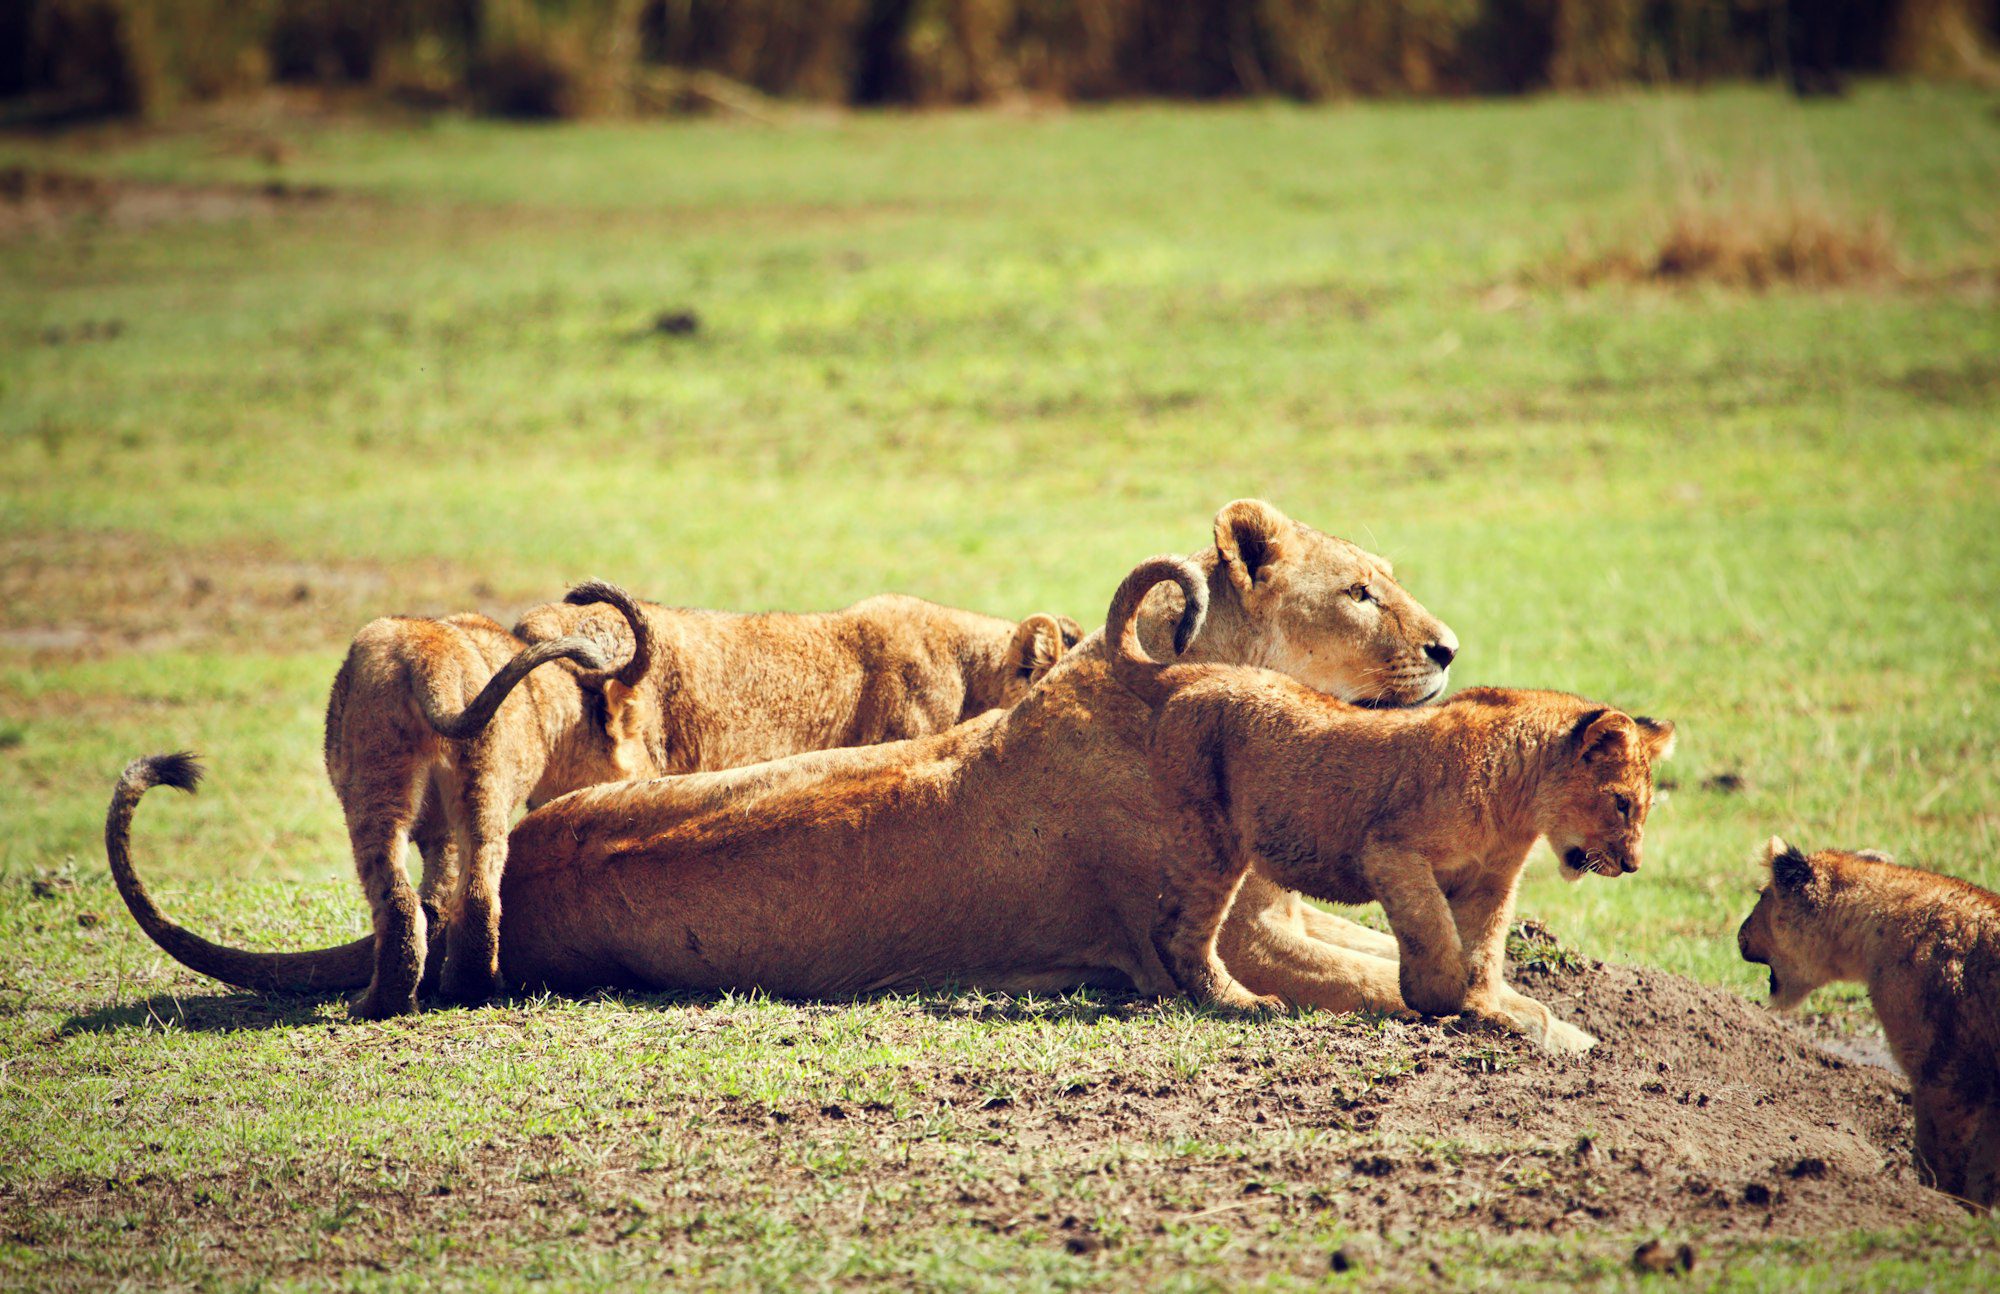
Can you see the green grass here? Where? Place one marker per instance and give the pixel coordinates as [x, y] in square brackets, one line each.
[991, 360]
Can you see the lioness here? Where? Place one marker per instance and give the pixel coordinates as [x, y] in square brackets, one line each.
[1431, 812]
[1023, 850]
[1928, 948]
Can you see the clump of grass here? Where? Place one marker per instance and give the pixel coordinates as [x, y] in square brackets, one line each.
[1757, 246]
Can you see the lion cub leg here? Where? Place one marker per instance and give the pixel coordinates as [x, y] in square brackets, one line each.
[1947, 1132]
[437, 845]
[1431, 968]
[380, 810]
[472, 936]
[1483, 912]
[1192, 908]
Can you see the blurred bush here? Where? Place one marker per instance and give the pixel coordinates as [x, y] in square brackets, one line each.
[62, 59]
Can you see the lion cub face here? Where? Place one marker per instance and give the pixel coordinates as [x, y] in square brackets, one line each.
[1604, 792]
[1786, 931]
[1037, 644]
[1329, 614]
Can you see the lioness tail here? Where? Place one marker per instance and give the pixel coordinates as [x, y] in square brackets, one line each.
[347, 967]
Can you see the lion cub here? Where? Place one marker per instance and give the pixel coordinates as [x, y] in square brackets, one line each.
[1430, 812]
[409, 764]
[1928, 948]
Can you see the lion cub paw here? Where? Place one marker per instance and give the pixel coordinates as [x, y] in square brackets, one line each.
[1241, 1001]
[373, 1005]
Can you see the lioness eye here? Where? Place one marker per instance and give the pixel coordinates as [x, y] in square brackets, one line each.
[1360, 593]
[1623, 805]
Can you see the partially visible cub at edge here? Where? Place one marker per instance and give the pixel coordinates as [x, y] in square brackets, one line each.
[1928, 948]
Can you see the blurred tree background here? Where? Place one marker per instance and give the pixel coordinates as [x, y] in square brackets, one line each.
[67, 60]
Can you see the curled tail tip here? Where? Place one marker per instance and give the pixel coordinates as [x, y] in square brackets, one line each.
[180, 770]
[590, 592]
[586, 653]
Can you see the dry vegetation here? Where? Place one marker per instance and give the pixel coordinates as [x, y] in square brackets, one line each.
[547, 58]
[1757, 246]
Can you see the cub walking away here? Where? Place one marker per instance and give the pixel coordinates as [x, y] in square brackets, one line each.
[1928, 948]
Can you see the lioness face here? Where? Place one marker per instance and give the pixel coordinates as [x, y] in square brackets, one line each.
[1606, 792]
[1330, 614]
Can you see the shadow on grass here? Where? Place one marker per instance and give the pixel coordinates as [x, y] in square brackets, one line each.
[234, 1012]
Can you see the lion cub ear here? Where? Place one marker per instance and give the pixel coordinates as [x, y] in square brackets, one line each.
[1657, 734]
[1603, 734]
[1072, 632]
[1036, 646]
[1249, 536]
[1791, 870]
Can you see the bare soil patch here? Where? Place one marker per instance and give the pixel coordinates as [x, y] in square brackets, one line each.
[42, 199]
[88, 594]
[1701, 1120]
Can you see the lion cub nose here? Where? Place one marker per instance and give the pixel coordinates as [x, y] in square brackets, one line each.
[1443, 653]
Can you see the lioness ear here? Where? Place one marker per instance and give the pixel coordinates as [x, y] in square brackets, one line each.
[1249, 537]
[1037, 644]
[1791, 870]
[1601, 734]
[1658, 734]
[1072, 632]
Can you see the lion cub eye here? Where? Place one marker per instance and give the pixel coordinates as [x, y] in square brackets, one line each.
[1623, 805]
[1361, 593]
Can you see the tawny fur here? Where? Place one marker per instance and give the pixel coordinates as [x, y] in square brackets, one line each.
[1430, 812]
[1928, 948]
[408, 764]
[727, 689]
[1021, 850]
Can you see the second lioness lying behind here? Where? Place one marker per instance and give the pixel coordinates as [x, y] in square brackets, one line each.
[1430, 812]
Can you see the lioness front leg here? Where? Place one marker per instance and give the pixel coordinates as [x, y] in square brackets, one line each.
[1328, 927]
[1431, 970]
[1269, 952]
[1483, 912]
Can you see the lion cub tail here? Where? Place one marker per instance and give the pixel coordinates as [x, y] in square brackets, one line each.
[621, 717]
[472, 720]
[326, 970]
[1129, 662]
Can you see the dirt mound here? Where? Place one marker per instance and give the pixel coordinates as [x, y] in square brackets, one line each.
[36, 199]
[1696, 1110]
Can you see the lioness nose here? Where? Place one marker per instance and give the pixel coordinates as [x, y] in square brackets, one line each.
[1629, 863]
[1443, 653]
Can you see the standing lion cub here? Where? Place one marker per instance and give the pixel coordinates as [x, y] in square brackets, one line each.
[1431, 812]
[1928, 948]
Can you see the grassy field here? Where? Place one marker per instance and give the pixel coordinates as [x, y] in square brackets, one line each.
[990, 359]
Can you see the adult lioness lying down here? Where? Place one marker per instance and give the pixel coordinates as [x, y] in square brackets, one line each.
[1278, 592]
